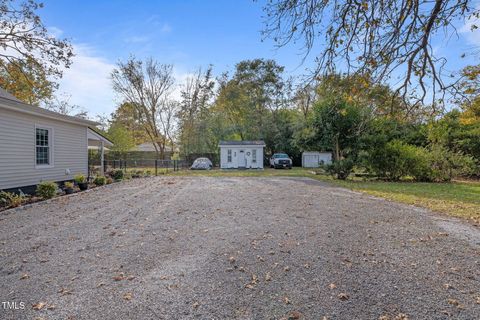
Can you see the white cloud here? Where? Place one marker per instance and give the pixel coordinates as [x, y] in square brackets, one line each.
[137, 39]
[55, 32]
[88, 81]
[472, 36]
[166, 28]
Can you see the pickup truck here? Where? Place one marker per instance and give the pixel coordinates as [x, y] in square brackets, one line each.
[280, 160]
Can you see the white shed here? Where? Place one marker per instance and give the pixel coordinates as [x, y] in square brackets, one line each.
[241, 154]
[313, 159]
[41, 145]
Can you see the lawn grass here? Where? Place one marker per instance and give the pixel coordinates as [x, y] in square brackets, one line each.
[458, 199]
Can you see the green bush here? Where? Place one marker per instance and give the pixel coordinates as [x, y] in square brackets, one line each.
[47, 189]
[10, 199]
[68, 185]
[80, 178]
[100, 180]
[397, 159]
[117, 174]
[446, 164]
[340, 169]
[109, 180]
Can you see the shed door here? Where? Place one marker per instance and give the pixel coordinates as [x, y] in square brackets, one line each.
[310, 161]
[241, 159]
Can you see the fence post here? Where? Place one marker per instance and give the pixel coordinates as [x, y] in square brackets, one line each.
[156, 167]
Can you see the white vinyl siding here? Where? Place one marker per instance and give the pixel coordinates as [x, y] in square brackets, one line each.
[18, 168]
[230, 154]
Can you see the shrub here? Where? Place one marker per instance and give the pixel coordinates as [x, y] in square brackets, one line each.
[47, 189]
[109, 180]
[446, 164]
[148, 173]
[340, 169]
[117, 174]
[99, 180]
[397, 159]
[10, 199]
[80, 178]
[68, 185]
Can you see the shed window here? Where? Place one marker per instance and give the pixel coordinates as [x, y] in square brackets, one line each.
[254, 155]
[43, 146]
[229, 155]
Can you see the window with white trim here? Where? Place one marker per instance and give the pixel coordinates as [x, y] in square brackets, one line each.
[254, 155]
[229, 155]
[43, 146]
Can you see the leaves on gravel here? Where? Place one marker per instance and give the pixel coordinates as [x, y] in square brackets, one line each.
[39, 306]
[127, 296]
[64, 291]
[343, 296]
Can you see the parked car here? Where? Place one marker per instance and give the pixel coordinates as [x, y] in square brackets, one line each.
[280, 160]
[201, 164]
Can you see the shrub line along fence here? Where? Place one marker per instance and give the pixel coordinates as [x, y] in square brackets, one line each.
[155, 166]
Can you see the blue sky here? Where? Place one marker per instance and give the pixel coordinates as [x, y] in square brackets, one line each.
[188, 34]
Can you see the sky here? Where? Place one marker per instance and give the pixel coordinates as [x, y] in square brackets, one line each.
[186, 33]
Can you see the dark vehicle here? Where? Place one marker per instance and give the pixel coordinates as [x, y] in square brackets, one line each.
[280, 160]
[202, 164]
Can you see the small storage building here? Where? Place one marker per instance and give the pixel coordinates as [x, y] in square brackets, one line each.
[313, 159]
[241, 154]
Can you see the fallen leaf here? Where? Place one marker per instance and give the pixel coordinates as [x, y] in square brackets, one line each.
[453, 302]
[332, 286]
[65, 291]
[232, 259]
[286, 300]
[127, 296]
[343, 296]
[478, 300]
[195, 304]
[287, 268]
[119, 277]
[50, 306]
[24, 276]
[294, 315]
[268, 277]
[401, 316]
[39, 306]
[101, 284]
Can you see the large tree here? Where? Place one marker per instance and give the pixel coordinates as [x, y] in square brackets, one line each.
[29, 53]
[380, 38]
[250, 100]
[147, 86]
[194, 114]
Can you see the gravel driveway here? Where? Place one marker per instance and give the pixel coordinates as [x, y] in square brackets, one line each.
[236, 248]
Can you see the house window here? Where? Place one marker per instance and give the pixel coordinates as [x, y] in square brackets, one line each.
[254, 155]
[229, 155]
[43, 144]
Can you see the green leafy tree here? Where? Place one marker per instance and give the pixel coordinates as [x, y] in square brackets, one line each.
[122, 140]
[30, 55]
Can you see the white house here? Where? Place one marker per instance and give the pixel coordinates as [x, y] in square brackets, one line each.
[40, 145]
[313, 159]
[241, 154]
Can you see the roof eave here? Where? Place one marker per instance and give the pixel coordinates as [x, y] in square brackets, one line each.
[28, 109]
